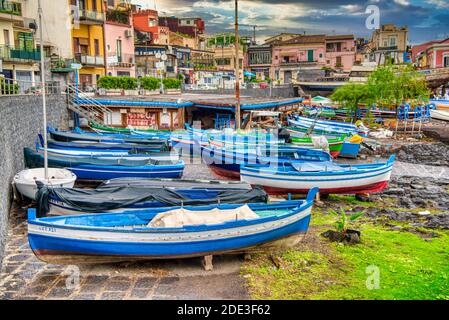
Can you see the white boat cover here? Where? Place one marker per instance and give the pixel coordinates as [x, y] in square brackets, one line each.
[320, 142]
[181, 217]
[316, 166]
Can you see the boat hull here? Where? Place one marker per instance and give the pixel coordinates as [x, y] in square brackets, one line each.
[344, 183]
[439, 115]
[59, 243]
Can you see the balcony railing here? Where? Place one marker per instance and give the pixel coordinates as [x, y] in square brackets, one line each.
[10, 7]
[90, 60]
[117, 16]
[91, 15]
[120, 60]
[290, 63]
[10, 54]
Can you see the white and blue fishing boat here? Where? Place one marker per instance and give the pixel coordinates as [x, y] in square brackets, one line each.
[136, 194]
[330, 177]
[327, 127]
[91, 168]
[109, 146]
[162, 233]
[225, 162]
[81, 136]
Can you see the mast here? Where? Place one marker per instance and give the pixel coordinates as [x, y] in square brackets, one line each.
[237, 67]
[44, 102]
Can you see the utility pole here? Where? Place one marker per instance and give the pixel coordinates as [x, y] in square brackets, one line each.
[44, 102]
[237, 67]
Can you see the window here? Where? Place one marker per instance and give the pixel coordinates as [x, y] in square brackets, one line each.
[25, 41]
[392, 42]
[446, 61]
[97, 47]
[152, 22]
[385, 43]
[6, 36]
[94, 5]
[119, 50]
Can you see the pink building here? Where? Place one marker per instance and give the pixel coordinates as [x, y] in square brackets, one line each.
[119, 34]
[297, 55]
[432, 55]
[340, 52]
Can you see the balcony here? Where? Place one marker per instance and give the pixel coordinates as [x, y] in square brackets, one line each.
[92, 61]
[298, 63]
[123, 60]
[18, 55]
[10, 7]
[90, 17]
[117, 16]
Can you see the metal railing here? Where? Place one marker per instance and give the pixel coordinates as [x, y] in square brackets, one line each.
[8, 53]
[11, 7]
[124, 58]
[90, 60]
[91, 15]
[11, 87]
[85, 106]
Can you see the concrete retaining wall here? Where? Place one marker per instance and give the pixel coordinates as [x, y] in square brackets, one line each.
[20, 122]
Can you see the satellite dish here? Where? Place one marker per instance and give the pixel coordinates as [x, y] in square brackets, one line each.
[164, 57]
[158, 55]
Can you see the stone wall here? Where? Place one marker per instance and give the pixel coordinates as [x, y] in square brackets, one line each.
[20, 122]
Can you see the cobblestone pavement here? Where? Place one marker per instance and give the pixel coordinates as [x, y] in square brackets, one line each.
[23, 276]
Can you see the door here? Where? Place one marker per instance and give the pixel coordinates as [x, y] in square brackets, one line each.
[119, 50]
[446, 61]
[338, 63]
[310, 55]
[287, 77]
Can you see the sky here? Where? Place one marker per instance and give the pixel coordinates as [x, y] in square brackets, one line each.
[426, 19]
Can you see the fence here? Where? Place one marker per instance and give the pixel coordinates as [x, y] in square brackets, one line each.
[9, 87]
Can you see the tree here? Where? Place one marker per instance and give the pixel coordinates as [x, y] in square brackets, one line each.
[394, 85]
[351, 95]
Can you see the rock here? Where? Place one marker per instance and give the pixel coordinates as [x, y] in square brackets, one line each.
[364, 197]
[350, 237]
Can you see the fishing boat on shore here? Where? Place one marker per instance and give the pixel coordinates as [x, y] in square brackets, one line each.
[225, 162]
[91, 168]
[140, 194]
[330, 177]
[106, 146]
[439, 115]
[328, 126]
[106, 129]
[80, 136]
[162, 233]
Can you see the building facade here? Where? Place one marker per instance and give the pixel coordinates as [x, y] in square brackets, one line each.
[389, 44]
[340, 52]
[259, 61]
[432, 55]
[88, 40]
[18, 54]
[298, 57]
[119, 36]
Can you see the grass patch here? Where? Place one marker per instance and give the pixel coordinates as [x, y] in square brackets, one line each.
[410, 266]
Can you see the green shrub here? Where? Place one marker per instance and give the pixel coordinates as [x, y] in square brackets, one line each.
[170, 83]
[150, 83]
[8, 88]
[112, 82]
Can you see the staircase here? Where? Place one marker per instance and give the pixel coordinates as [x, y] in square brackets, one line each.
[88, 107]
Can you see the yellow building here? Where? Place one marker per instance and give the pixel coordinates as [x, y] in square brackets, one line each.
[88, 39]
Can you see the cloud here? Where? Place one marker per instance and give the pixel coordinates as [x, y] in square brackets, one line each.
[424, 17]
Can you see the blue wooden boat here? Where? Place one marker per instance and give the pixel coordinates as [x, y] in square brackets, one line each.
[107, 146]
[136, 194]
[330, 177]
[91, 168]
[225, 162]
[327, 127]
[126, 236]
[80, 136]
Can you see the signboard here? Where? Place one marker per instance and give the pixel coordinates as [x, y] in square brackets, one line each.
[160, 65]
[76, 66]
[147, 119]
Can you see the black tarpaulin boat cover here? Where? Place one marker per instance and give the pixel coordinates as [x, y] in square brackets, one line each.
[110, 198]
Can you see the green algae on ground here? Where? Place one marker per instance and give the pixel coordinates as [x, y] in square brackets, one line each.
[408, 266]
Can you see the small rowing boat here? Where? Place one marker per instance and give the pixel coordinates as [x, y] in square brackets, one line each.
[92, 168]
[439, 115]
[162, 233]
[330, 177]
